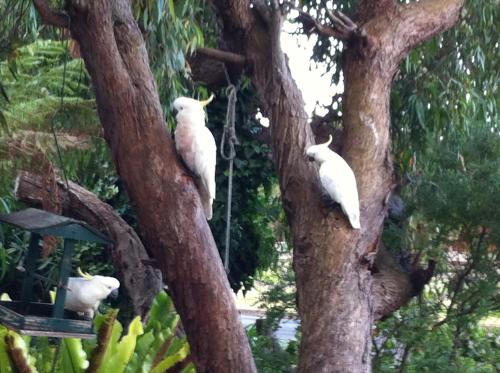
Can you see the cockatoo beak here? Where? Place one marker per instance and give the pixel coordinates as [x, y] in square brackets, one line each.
[113, 294]
[207, 101]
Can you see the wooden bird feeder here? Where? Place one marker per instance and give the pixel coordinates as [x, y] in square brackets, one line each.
[45, 319]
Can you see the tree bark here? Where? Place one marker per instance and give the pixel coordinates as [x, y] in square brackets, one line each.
[333, 263]
[141, 282]
[171, 220]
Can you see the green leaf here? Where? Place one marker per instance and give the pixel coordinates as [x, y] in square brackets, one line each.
[171, 8]
[124, 350]
[104, 335]
[73, 357]
[3, 121]
[420, 110]
[170, 361]
[17, 351]
[144, 352]
[160, 5]
[115, 336]
[5, 366]
[3, 92]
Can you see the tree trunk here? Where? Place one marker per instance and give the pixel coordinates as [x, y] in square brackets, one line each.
[141, 282]
[333, 263]
[171, 220]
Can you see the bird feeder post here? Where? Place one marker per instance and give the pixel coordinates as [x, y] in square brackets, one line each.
[69, 245]
[31, 258]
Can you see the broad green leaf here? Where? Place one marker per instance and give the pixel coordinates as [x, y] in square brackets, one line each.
[170, 361]
[124, 350]
[144, 353]
[74, 358]
[115, 336]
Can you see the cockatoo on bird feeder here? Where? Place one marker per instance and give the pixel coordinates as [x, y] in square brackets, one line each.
[196, 145]
[337, 179]
[85, 293]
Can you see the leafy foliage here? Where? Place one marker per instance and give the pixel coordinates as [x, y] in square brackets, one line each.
[453, 219]
[172, 32]
[449, 85]
[270, 356]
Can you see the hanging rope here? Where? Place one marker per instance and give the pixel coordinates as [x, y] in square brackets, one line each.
[59, 109]
[228, 152]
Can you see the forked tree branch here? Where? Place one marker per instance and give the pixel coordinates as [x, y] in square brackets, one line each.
[420, 21]
[342, 28]
[49, 16]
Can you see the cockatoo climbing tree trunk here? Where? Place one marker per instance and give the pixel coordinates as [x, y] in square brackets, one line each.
[172, 223]
[338, 295]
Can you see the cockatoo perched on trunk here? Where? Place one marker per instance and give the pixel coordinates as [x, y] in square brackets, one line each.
[85, 293]
[196, 145]
[337, 179]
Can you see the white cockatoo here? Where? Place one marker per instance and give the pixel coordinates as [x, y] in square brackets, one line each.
[337, 179]
[85, 293]
[196, 145]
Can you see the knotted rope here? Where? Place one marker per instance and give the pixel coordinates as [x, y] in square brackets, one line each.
[228, 152]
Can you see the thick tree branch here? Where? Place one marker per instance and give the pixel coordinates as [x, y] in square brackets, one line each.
[222, 56]
[207, 71]
[420, 21]
[142, 282]
[369, 9]
[393, 286]
[49, 16]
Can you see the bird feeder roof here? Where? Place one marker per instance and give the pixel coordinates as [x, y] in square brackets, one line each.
[47, 223]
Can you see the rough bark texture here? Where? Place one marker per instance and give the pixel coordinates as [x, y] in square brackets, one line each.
[333, 263]
[141, 282]
[394, 286]
[171, 220]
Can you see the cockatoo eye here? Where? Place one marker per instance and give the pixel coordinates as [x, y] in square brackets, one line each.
[310, 158]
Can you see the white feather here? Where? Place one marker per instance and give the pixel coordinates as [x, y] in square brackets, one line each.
[196, 145]
[338, 180]
[85, 295]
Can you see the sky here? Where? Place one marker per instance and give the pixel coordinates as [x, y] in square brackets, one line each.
[310, 78]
